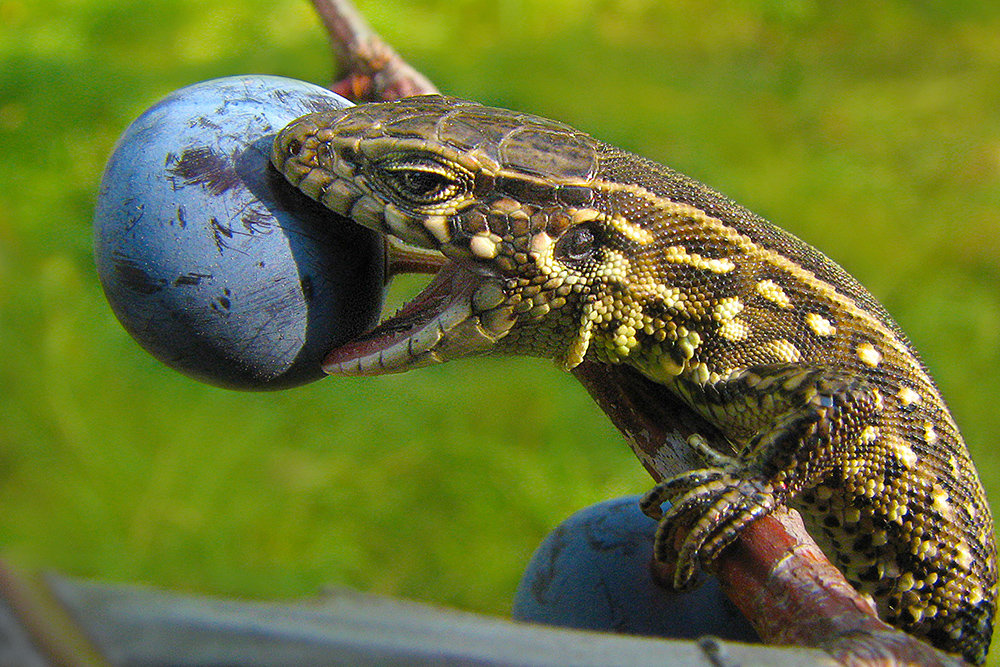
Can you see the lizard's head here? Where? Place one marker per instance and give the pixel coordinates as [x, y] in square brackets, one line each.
[507, 198]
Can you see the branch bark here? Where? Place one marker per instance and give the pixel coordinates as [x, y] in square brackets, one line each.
[372, 70]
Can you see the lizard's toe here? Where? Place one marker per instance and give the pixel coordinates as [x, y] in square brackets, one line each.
[669, 489]
[710, 509]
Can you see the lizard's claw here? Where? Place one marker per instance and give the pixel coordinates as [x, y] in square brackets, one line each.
[651, 503]
[710, 508]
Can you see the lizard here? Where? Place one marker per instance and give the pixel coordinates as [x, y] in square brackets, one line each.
[554, 244]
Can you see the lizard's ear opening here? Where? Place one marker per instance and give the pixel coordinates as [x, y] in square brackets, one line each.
[578, 245]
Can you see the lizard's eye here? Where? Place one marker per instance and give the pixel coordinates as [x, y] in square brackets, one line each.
[421, 182]
[578, 244]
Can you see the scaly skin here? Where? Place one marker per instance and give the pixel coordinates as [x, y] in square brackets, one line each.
[567, 248]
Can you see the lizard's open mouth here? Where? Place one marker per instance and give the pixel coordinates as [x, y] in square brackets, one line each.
[454, 315]
[406, 339]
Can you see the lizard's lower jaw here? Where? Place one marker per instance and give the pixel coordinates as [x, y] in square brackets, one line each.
[460, 313]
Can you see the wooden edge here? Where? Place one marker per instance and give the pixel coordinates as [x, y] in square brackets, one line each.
[55, 635]
[144, 626]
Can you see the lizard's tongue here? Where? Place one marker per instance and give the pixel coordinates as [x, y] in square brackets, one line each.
[436, 325]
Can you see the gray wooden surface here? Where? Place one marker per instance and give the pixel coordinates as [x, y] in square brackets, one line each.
[133, 625]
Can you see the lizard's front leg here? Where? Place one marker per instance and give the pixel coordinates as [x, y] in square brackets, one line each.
[817, 418]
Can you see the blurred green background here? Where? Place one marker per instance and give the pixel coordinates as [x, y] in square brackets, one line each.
[871, 129]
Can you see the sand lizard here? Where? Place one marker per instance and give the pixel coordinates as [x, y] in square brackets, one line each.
[564, 247]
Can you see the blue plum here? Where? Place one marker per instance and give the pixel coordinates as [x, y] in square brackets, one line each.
[210, 260]
[593, 573]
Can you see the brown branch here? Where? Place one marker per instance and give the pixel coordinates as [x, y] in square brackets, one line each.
[778, 577]
[373, 71]
[654, 421]
[775, 573]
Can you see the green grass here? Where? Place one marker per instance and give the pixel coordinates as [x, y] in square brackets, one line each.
[872, 130]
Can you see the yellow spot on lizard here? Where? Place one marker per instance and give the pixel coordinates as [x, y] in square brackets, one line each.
[772, 291]
[869, 355]
[820, 325]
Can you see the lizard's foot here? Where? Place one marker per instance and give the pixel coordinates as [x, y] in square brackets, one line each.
[712, 505]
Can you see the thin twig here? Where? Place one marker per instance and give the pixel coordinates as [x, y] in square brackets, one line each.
[373, 71]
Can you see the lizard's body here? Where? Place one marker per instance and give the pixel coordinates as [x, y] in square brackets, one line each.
[568, 248]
